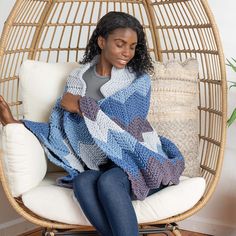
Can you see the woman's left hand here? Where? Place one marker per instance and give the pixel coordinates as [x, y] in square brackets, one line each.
[71, 103]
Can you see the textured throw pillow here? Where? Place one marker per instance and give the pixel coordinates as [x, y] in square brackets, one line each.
[173, 108]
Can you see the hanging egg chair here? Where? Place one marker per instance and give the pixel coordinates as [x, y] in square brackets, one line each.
[58, 31]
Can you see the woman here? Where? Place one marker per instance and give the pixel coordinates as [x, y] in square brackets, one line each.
[109, 149]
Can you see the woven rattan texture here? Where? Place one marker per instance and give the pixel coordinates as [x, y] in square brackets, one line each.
[58, 31]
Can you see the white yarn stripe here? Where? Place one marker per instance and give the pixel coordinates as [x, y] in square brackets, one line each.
[92, 155]
[120, 79]
[151, 140]
[98, 129]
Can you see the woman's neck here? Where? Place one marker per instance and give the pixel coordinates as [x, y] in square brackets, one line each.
[103, 69]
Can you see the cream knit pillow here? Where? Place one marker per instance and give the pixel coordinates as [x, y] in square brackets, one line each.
[173, 109]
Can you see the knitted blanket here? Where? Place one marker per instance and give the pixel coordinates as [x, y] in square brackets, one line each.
[113, 128]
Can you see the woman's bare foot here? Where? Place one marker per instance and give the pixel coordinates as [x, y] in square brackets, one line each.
[5, 113]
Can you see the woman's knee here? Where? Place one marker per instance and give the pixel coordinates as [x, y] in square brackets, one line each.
[113, 179]
[86, 179]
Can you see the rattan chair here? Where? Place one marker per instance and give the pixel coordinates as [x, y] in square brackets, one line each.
[58, 30]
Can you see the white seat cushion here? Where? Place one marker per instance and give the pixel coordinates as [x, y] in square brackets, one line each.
[59, 204]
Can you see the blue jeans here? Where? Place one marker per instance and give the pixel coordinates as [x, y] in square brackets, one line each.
[105, 198]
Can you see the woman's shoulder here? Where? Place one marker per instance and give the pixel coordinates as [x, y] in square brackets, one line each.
[76, 71]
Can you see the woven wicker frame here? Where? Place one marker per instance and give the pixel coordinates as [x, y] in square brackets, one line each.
[58, 30]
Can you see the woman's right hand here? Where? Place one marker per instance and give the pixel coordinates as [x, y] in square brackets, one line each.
[70, 103]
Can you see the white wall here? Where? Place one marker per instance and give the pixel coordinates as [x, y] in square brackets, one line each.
[219, 216]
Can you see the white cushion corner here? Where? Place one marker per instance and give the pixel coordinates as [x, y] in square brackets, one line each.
[170, 201]
[24, 162]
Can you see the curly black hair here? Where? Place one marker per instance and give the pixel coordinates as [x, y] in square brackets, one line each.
[141, 62]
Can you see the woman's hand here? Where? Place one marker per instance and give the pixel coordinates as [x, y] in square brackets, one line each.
[70, 103]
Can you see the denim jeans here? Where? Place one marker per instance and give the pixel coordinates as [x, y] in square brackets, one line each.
[105, 198]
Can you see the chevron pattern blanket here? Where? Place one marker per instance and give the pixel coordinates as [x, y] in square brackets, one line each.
[113, 128]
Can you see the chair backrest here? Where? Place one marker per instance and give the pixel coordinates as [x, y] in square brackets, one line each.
[58, 31]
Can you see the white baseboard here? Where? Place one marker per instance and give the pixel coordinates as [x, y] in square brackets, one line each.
[208, 226]
[15, 227]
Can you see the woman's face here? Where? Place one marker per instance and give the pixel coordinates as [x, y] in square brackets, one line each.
[119, 47]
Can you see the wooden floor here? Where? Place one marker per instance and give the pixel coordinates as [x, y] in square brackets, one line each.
[38, 232]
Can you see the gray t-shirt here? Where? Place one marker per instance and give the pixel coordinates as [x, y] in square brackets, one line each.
[94, 81]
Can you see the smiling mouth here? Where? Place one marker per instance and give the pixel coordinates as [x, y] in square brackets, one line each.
[123, 62]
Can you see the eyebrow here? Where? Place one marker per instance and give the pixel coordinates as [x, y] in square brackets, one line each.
[118, 39]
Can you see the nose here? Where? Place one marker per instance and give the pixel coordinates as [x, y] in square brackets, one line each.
[126, 52]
